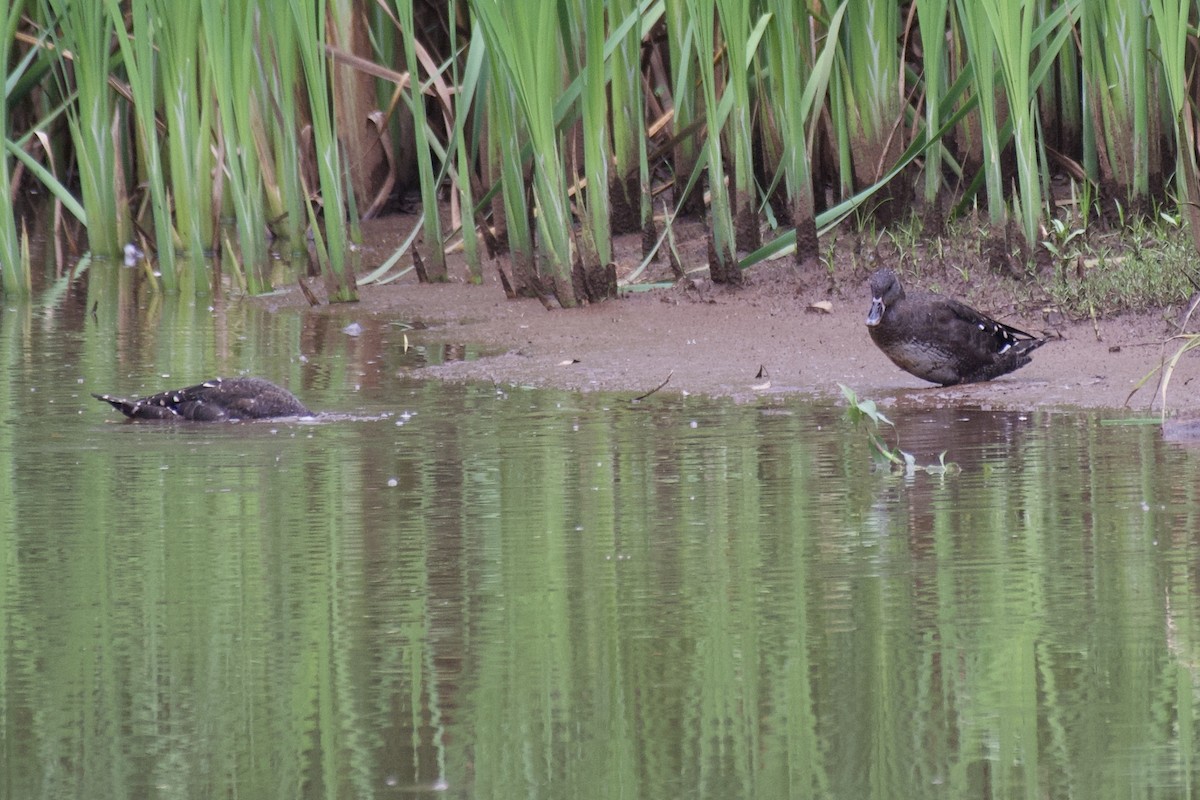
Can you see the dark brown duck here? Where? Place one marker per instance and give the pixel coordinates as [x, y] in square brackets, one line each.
[939, 339]
[217, 400]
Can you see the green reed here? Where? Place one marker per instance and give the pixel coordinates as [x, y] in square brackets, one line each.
[1060, 106]
[597, 154]
[503, 164]
[932, 21]
[525, 41]
[29, 107]
[685, 102]
[183, 79]
[722, 247]
[795, 90]
[331, 238]
[466, 79]
[353, 95]
[740, 40]
[981, 47]
[620, 70]
[559, 121]
[137, 45]
[874, 108]
[230, 43]
[1118, 81]
[14, 272]
[284, 182]
[435, 253]
[84, 31]
[1011, 24]
[1170, 19]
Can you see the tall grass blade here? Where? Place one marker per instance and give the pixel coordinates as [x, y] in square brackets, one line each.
[354, 99]
[600, 200]
[736, 17]
[722, 247]
[185, 84]
[981, 46]
[932, 20]
[685, 102]
[435, 263]
[524, 38]
[628, 181]
[467, 83]
[512, 214]
[11, 279]
[138, 50]
[230, 42]
[333, 245]
[796, 91]
[1059, 100]
[1170, 20]
[876, 107]
[283, 185]
[85, 31]
[1113, 38]
[1012, 26]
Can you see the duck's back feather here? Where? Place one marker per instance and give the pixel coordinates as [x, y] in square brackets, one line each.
[216, 400]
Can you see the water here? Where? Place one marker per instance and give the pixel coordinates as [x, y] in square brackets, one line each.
[489, 592]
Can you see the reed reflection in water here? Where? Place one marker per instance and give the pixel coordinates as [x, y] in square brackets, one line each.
[515, 593]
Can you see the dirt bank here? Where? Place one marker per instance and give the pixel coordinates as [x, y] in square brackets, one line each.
[769, 337]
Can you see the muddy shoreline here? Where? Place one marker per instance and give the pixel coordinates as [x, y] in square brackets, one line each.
[782, 333]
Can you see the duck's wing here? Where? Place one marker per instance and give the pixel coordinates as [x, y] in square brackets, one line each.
[172, 404]
[979, 332]
[250, 398]
[160, 406]
[987, 348]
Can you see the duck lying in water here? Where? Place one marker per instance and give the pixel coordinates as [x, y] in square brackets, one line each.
[218, 400]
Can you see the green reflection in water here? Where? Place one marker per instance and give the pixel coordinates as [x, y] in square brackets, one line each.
[533, 594]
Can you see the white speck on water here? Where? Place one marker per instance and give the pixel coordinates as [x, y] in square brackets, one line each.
[393, 483]
[353, 329]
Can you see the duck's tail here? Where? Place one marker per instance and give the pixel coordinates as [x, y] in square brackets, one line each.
[135, 409]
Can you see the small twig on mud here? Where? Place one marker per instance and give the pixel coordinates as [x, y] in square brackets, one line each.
[655, 389]
[1193, 302]
[308, 293]
[419, 266]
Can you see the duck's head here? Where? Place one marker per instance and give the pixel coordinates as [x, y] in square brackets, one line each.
[885, 290]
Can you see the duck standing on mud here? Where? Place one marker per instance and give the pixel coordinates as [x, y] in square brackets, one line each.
[939, 339]
[217, 400]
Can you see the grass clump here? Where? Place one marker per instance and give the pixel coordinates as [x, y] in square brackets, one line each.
[1087, 267]
[1143, 266]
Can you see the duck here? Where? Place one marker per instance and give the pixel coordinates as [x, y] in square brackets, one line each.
[940, 340]
[216, 400]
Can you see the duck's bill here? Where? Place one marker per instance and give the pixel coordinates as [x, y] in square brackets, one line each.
[875, 315]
